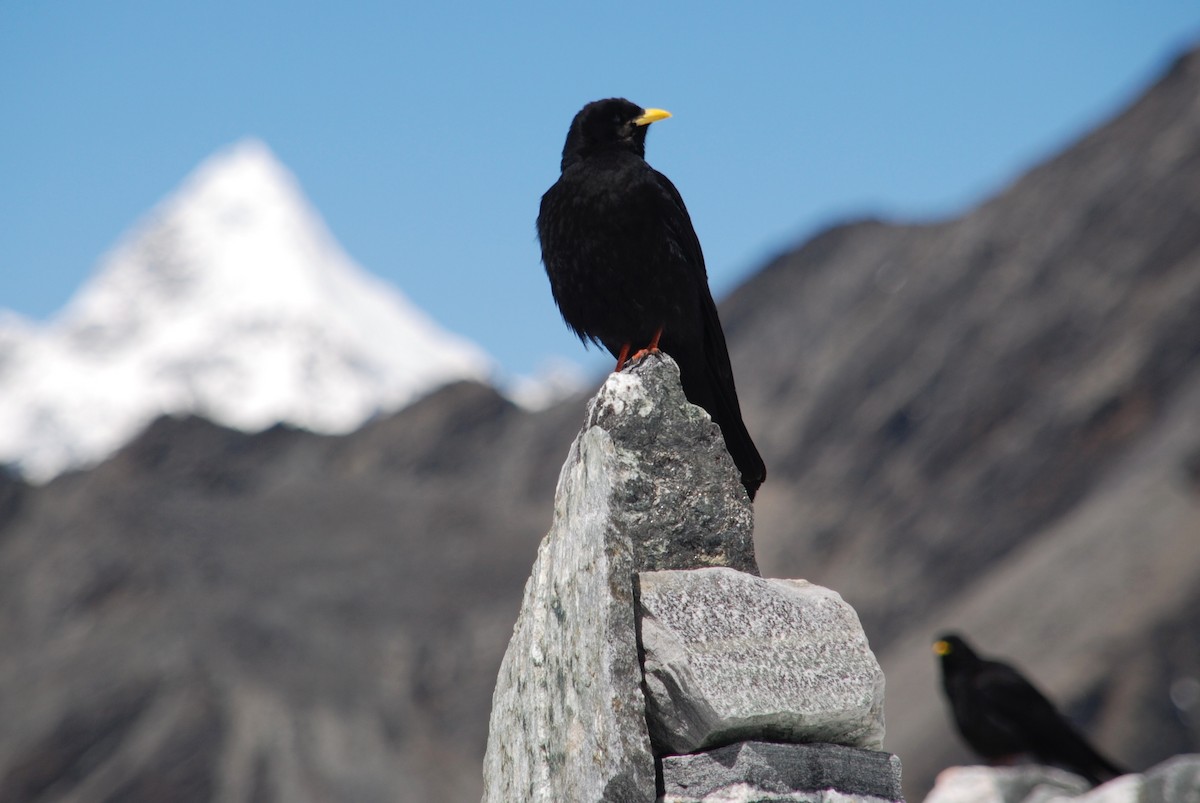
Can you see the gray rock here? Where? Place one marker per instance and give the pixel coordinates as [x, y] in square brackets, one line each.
[679, 513]
[731, 657]
[568, 716]
[648, 483]
[979, 784]
[1174, 781]
[762, 771]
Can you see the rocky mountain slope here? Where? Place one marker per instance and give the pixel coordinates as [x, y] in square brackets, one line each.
[281, 616]
[987, 423]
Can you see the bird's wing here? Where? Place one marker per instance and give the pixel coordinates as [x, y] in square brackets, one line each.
[715, 352]
[994, 701]
[1010, 698]
[1007, 690]
[1049, 735]
[679, 223]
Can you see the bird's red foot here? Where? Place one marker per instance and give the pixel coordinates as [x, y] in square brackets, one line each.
[650, 349]
[643, 352]
[621, 358]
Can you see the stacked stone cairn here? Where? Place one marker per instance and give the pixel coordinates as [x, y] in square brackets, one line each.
[650, 660]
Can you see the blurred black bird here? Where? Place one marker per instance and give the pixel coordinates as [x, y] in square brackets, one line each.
[626, 269]
[1001, 715]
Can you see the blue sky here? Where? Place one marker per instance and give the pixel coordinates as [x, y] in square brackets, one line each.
[426, 135]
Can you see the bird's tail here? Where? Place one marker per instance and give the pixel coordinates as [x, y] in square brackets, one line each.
[741, 448]
[1072, 751]
[707, 380]
[1095, 767]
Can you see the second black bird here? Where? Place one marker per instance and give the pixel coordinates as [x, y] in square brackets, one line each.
[1002, 715]
[626, 268]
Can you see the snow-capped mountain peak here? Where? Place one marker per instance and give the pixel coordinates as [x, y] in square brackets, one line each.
[230, 299]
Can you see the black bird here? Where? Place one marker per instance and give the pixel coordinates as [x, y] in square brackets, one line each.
[626, 269]
[1001, 715]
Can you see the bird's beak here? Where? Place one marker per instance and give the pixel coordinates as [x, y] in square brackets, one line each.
[652, 116]
[941, 647]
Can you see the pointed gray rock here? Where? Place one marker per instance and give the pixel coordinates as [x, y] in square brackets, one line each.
[568, 716]
[676, 491]
[731, 657]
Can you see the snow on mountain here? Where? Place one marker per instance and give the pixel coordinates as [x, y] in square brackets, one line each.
[231, 300]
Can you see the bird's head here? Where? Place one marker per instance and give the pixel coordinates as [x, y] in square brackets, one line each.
[606, 125]
[951, 646]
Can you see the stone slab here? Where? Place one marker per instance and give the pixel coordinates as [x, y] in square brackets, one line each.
[732, 657]
[762, 771]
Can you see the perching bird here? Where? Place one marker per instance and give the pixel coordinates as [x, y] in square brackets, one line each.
[1001, 715]
[626, 269]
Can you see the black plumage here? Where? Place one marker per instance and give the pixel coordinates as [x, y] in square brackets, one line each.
[1001, 715]
[626, 268]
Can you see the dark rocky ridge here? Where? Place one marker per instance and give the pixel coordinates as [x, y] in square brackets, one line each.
[928, 359]
[990, 423]
[324, 616]
[950, 394]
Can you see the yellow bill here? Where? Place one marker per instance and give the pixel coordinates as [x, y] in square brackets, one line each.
[652, 116]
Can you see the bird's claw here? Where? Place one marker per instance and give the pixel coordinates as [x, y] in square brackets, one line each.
[642, 353]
